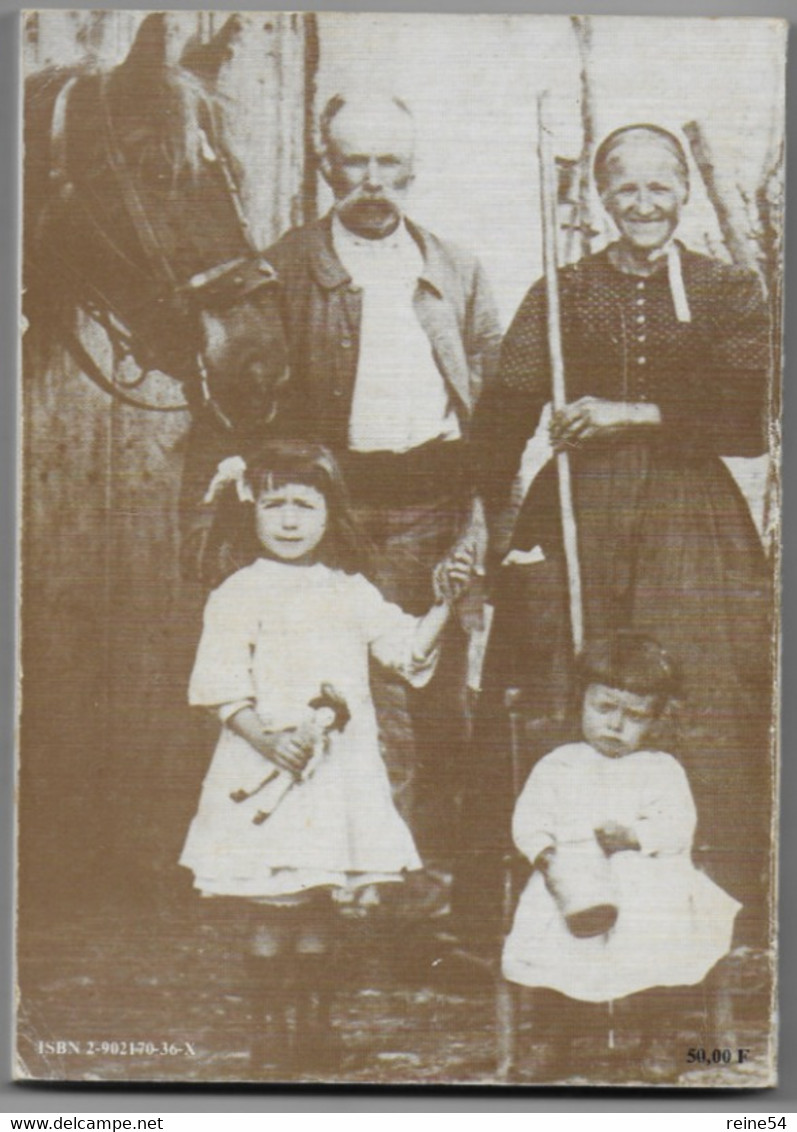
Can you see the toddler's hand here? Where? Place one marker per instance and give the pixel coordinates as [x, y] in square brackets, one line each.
[614, 837]
[453, 576]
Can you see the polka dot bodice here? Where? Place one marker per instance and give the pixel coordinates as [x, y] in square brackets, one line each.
[622, 341]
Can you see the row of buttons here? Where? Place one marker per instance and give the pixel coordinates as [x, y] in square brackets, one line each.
[640, 318]
[641, 360]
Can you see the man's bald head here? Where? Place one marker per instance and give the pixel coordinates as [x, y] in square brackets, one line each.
[367, 154]
[382, 111]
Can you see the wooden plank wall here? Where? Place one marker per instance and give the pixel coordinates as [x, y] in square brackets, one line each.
[111, 758]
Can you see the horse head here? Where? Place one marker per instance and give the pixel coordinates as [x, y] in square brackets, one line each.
[133, 216]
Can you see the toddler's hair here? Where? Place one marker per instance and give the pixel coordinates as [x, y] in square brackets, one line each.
[632, 662]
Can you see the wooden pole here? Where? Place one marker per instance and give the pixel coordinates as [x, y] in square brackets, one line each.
[505, 1000]
[548, 200]
[506, 995]
[582, 29]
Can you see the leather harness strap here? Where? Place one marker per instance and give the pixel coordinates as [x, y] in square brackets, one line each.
[220, 287]
[88, 366]
[135, 209]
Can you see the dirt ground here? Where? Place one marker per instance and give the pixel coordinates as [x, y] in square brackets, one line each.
[159, 997]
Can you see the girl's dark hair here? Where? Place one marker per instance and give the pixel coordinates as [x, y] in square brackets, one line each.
[273, 465]
[632, 662]
[281, 462]
[617, 137]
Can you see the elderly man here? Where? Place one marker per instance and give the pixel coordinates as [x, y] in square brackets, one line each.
[392, 335]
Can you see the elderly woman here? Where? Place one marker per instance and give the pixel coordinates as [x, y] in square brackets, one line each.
[667, 361]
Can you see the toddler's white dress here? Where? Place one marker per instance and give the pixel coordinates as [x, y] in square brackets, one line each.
[673, 923]
[273, 634]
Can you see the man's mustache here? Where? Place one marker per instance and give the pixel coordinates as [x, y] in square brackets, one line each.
[361, 195]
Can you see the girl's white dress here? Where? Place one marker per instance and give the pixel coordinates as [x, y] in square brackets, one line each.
[273, 634]
[673, 923]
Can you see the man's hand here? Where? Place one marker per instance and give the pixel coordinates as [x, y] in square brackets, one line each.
[593, 417]
[453, 576]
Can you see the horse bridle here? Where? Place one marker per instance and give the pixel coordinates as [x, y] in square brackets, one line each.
[219, 287]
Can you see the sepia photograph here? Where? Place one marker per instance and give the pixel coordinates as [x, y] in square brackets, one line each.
[399, 447]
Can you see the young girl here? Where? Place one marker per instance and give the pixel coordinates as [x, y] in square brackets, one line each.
[296, 807]
[614, 905]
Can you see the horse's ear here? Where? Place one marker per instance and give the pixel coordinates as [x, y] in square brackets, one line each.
[158, 43]
[206, 59]
[149, 46]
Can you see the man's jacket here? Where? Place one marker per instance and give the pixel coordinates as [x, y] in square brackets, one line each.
[323, 311]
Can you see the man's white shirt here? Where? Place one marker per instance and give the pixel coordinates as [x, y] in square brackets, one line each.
[400, 397]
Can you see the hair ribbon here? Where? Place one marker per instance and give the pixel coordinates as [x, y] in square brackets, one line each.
[230, 471]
